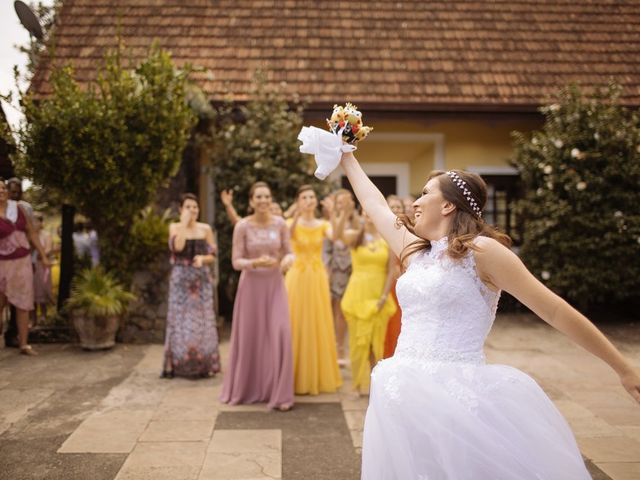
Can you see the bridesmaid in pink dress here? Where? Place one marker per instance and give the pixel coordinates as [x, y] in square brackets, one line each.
[261, 362]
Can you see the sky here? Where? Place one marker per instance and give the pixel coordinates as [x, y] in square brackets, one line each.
[12, 33]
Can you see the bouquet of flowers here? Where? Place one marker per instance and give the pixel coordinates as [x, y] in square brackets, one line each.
[345, 129]
[348, 120]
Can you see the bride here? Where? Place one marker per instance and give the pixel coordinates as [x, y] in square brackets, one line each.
[437, 411]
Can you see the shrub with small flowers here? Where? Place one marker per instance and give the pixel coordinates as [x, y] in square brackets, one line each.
[581, 208]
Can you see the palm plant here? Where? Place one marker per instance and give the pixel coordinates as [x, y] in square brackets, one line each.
[97, 293]
[97, 302]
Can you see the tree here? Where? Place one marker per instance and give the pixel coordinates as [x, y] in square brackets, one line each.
[252, 142]
[581, 175]
[107, 148]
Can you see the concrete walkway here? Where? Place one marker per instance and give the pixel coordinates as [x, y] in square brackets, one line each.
[69, 414]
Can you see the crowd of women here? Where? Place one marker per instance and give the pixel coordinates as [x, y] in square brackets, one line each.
[436, 409]
[311, 278]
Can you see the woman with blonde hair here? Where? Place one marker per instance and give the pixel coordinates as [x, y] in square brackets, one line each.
[437, 410]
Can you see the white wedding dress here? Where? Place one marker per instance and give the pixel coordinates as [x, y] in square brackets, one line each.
[437, 411]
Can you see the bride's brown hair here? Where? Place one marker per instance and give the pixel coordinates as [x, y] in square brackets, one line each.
[465, 224]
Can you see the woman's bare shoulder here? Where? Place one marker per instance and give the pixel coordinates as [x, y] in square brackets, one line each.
[204, 226]
[487, 246]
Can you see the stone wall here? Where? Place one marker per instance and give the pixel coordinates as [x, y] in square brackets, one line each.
[147, 315]
[146, 318]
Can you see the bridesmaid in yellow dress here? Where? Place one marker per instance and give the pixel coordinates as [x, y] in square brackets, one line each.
[366, 303]
[314, 343]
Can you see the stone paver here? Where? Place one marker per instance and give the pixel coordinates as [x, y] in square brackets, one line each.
[143, 427]
[178, 430]
[164, 460]
[115, 431]
[621, 470]
[243, 455]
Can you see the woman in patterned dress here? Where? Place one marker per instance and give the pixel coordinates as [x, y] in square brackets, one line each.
[191, 342]
[339, 262]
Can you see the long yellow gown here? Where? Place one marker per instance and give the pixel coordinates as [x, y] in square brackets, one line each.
[314, 343]
[367, 326]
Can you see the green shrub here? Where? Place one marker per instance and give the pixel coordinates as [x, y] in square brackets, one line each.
[147, 242]
[581, 175]
[106, 148]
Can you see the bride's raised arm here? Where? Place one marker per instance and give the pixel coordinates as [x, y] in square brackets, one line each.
[376, 206]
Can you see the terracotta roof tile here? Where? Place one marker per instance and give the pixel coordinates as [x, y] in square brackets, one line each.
[428, 53]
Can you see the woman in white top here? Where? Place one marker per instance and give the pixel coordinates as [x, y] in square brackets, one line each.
[437, 410]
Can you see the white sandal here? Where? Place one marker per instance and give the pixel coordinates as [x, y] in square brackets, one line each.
[27, 350]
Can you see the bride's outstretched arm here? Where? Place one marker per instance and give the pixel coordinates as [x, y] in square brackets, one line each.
[375, 205]
[501, 268]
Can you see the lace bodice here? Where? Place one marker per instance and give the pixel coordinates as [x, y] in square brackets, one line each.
[306, 243]
[447, 311]
[251, 241]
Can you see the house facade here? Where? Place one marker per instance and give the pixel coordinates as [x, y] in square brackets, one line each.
[444, 83]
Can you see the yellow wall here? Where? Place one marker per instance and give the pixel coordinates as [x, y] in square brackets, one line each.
[466, 143]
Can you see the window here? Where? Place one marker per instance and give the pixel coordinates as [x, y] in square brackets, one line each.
[390, 178]
[387, 184]
[503, 190]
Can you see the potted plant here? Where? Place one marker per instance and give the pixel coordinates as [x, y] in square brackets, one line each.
[96, 303]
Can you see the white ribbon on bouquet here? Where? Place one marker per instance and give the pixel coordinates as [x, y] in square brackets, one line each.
[326, 148]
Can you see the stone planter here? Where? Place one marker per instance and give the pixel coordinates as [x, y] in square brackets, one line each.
[96, 333]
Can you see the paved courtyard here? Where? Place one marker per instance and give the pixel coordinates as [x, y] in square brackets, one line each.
[69, 414]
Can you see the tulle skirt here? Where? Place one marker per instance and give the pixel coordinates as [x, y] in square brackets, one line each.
[454, 421]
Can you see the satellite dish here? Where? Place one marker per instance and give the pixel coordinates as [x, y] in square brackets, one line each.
[28, 19]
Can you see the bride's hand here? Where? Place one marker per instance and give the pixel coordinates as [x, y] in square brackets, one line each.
[631, 382]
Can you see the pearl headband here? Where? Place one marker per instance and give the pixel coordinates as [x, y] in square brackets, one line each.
[462, 185]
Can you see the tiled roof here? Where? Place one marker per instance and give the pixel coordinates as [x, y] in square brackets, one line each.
[422, 54]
